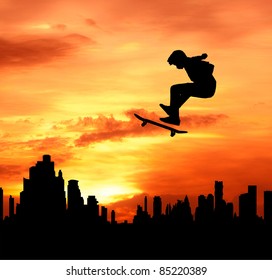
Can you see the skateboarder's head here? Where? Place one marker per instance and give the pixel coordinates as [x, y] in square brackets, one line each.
[177, 58]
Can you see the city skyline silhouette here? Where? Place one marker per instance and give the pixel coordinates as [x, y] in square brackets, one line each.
[45, 226]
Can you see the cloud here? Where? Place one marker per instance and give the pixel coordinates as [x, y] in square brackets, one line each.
[11, 175]
[90, 22]
[219, 22]
[10, 170]
[108, 128]
[202, 121]
[33, 50]
[45, 144]
[59, 26]
[76, 38]
[15, 140]
[18, 11]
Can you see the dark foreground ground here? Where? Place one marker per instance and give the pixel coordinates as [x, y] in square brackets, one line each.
[128, 241]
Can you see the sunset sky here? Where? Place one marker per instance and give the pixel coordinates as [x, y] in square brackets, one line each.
[73, 73]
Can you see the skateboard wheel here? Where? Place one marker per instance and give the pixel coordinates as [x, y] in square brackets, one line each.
[144, 123]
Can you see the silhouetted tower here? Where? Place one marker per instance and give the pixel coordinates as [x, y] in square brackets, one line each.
[157, 207]
[43, 195]
[139, 211]
[187, 216]
[181, 212]
[201, 210]
[168, 209]
[204, 210]
[11, 207]
[268, 207]
[248, 205]
[75, 201]
[142, 216]
[113, 221]
[104, 214]
[145, 204]
[218, 194]
[252, 196]
[1, 204]
[93, 207]
[220, 203]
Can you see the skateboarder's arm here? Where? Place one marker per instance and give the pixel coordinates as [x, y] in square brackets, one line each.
[200, 57]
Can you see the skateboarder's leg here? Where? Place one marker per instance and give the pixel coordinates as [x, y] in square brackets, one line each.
[180, 93]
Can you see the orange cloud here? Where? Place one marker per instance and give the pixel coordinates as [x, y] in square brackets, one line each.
[60, 26]
[109, 128]
[8, 171]
[31, 51]
[34, 50]
[90, 22]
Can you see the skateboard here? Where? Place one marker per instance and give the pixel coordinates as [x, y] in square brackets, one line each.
[172, 129]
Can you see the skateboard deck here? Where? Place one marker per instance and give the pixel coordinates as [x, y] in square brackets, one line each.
[172, 129]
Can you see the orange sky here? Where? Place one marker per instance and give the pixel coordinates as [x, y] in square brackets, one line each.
[73, 72]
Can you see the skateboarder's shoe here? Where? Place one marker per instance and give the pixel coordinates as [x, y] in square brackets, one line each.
[167, 109]
[171, 120]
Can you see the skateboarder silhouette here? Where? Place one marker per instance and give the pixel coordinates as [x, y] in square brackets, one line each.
[200, 73]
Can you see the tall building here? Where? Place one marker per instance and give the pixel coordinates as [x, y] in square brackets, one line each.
[142, 216]
[204, 210]
[218, 195]
[145, 204]
[104, 214]
[43, 195]
[248, 205]
[11, 206]
[252, 197]
[75, 200]
[168, 209]
[219, 203]
[1, 204]
[268, 207]
[113, 221]
[201, 210]
[157, 207]
[92, 207]
[187, 216]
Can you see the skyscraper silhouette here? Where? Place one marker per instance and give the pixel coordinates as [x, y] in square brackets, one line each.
[220, 203]
[218, 194]
[11, 207]
[75, 200]
[201, 212]
[145, 204]
[248, 205]
[104, 214]
[157, 207]
[252, 197]
[92, 208]
[113, 221]
[43, 195]
[80, 229]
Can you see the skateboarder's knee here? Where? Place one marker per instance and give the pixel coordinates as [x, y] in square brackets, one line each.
[175, 88]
